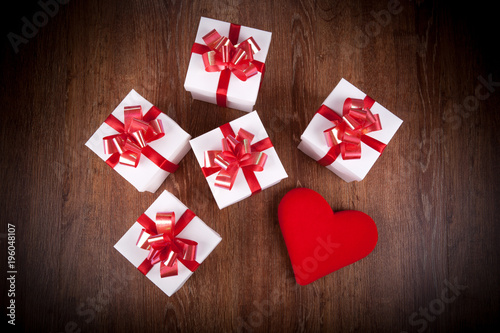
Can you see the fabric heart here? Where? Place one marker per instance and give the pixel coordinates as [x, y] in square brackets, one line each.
[320, 242]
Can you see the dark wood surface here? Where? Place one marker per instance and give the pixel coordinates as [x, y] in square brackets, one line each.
[433, 194]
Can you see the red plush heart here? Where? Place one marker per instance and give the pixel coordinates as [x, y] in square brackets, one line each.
[320, 242]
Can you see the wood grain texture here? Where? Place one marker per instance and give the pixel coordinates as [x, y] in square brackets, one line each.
[433, 194]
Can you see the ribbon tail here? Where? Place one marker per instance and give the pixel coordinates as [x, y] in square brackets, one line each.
[166, 270]
[199, 48]
[191, 265]
[145, 266]
[373, 143]
[183, 221]
[234, 33]
[226, 178]
[113, 160]
[252, 181]
[210, 171]
[331, 156]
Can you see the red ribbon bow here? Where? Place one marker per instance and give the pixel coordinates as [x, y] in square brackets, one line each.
[237, 153]
[225, 55]
[133, 137]
[164, 247]
[136, 134]
[350, 130]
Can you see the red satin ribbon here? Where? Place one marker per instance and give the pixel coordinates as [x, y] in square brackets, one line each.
[133, 137]
[237, 153]
[223, 54]
[164, 247]
[350, 130]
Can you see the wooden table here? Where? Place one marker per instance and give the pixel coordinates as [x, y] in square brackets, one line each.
[433, 193]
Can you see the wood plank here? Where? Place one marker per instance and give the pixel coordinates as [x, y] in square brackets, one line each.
[433, 194]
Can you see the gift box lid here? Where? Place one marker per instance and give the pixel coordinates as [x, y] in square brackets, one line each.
[314, 143]
[147, 176]
[273, 172]
[196, 230]
[238, 92]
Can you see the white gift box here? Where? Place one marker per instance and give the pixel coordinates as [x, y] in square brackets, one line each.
[196, 230]
[273, 171]
[313, 141]
[241, 95]
[147, 176]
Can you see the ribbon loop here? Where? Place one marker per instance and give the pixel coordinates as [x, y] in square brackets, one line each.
[165, 223]
[164, 247]
[345, 137]
[215, 41]
[224, 55]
